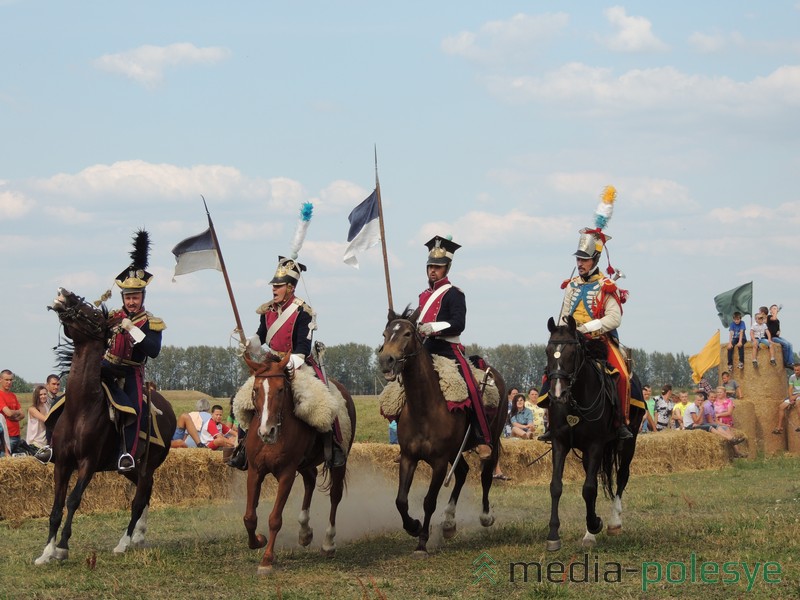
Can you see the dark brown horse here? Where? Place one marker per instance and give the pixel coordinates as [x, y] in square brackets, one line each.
[281, 444]
[582, 416]
[427, 430]
[85, 439]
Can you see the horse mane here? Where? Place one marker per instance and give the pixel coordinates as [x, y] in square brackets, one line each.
[64, 353]
[407, 312]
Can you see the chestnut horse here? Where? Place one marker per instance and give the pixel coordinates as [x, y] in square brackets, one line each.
[582, 415]
[427, 430]
[86, 439]
[281, 444]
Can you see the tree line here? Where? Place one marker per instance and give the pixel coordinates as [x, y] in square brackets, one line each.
[219, 372]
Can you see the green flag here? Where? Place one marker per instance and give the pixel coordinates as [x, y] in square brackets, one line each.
[738, 299]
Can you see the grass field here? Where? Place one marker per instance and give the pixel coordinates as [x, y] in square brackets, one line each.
[742, 520]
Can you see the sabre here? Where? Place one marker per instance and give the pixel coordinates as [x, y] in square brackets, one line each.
[447, 479]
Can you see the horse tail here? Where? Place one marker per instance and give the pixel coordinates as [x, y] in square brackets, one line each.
[327, 481]
[609, 468]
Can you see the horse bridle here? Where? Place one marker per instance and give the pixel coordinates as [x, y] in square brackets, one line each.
[89, 326]
[407, 355]
[562, 374]
[259, 412]
[571, 377]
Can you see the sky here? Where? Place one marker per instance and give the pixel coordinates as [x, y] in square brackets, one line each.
[496, 123]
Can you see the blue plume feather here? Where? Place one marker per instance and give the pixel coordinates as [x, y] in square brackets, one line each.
[306, 210]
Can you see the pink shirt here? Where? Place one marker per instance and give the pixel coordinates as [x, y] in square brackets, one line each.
[724, 406]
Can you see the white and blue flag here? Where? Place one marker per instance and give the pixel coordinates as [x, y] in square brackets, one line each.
[365, 229]
[196, 253]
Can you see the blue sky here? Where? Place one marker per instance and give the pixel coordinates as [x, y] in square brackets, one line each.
[496, 123]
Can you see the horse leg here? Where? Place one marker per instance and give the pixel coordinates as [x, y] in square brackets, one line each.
[85, 474]
[61, 480]
[556, 487]
[594, 524]
[487, 478]
[449, 524]
[624, 473]
[285, 483]
[309, 481]
[254, 481]
[137, 527]
[407, 468]
[336, 492]
[429, 504]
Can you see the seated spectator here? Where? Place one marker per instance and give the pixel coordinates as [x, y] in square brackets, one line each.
[738, 338]
[393, 432]
[693, 418]
[677, 411]
[5, 443]
[649, 420]
[35, 435]
[663, 407]
[200, 416]
[521, 419]
[774, 326]
[215, 434]
[794, 394]
[723, 407]
[186, 429]
[533, 399]
[732, 389]
[760, 336]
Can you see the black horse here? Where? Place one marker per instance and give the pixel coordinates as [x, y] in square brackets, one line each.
[583, 397]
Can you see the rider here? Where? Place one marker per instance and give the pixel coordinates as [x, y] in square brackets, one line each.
[287, 324]
[595, 302]
[443, 314]
[135, 339]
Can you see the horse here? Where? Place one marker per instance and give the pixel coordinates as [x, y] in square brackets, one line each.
[582, 416]
[428, 431]
[282, 444]
[85, 438]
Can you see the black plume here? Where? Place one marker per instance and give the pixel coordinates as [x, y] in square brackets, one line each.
[140, 255]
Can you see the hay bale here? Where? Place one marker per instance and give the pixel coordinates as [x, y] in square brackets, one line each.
[744, 419]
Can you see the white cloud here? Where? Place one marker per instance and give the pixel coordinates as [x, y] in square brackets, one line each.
[245, 231]
[499, 42]
[146, 64]
[634, 34]
[14, 204]
[339, 196]
[68, 214]
[708, 43]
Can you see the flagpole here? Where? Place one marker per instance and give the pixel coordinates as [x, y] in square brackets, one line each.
[383, 234]
[239, 328]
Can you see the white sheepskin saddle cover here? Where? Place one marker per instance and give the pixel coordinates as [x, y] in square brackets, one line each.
[314, 403]
[454, 388]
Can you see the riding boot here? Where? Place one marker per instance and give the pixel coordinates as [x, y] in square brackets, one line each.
[334, 455]
[238, 459]
[623, 433]
[44, 455]
[547, 436]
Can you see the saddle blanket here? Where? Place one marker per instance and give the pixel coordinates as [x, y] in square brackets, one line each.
[452, 384]
[315, 403]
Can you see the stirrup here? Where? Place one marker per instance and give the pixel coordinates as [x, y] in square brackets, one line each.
[623, 433]
[44, 455]
[126, 463]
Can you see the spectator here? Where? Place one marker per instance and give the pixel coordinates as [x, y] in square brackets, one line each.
[4, 442]
[393, 431]
[185, 432]
[512, 393]
[35, 435]
[521, 419]
[11, 409]
[53, 385]
[732, 389]
[663, 407]
[215, 434]
[760, 336]
[693, 418]
[199, 416]
[723, 407]
[737, 339]
[794, 394]
[677, 411]
[649, 420]
[774, 326]
[533, 398]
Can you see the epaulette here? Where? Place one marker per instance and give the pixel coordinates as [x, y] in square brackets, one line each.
[609, 286]
[565, 283]
[156, 323]
[264, 307]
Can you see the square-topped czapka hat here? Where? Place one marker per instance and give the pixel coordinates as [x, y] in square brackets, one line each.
[441, 250]
[135, 277]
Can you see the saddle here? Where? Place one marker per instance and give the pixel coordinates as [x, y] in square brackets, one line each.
[452, 384]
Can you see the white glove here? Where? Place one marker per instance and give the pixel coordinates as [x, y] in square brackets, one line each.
[591, 326]
[126, 324]
[426, 329]
[253, 346]
[434, 327]
[296, 361]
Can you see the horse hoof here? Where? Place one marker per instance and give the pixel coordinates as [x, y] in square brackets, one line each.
[487, 520]
[329, 553]
[61, 554]
[614, 529]
[588, 542]
[416, 529]
[420, 553]
[265, 570]
[599, 528]
[553, 545]
[449, 533]
[305, 539]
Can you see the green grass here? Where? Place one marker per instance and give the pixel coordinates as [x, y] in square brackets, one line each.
[746, 513]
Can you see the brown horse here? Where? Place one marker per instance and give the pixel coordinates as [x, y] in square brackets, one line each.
[281, 444]
[86, 439]
[428, 431]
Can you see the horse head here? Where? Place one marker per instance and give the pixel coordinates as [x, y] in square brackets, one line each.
[565, 357]
[271, 394]
[401, 342]
[81, 320]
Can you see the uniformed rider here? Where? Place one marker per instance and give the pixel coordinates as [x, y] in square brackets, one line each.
[442, 319]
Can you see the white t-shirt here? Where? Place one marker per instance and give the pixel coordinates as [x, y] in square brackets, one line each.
[691, 409]
[759, 330]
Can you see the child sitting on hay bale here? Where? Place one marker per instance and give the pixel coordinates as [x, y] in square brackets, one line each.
[794, 394]
[700, 415]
